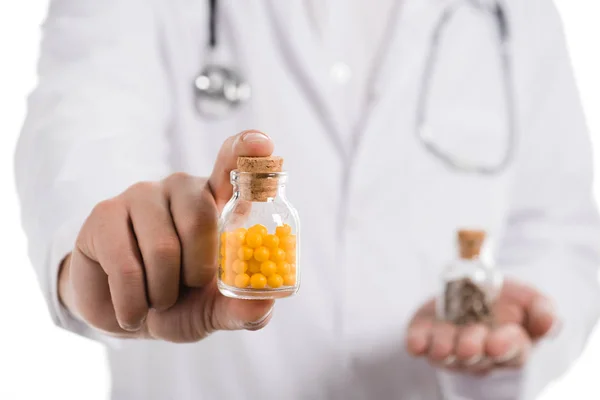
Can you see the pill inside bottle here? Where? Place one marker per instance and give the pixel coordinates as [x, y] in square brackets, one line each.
[259, 242]
[469, 286]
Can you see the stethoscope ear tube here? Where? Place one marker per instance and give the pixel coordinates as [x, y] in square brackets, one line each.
[422, 129]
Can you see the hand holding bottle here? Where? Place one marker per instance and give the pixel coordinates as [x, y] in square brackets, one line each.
[523, 317]
[145, 262]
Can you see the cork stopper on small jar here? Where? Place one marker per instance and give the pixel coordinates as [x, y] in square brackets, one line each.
[257, 180]
[470, 242]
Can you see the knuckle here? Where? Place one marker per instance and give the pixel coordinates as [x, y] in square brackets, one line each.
[130, 274]
[178, 178]
[167, 250]
[107, 207]
[142, 187]
[202, 220]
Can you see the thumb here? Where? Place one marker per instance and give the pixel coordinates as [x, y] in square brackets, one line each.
[250, 143]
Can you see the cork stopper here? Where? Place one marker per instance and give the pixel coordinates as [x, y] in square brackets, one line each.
[260, 164]
[470, 242]
[257, 182]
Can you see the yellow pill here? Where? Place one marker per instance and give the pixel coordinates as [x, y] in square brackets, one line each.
[277, 255]
[260, 229]
[275, 281]
[261, 254]
[227, 264]
[271, 241]
[244, 253]
[289, 280]
[253, 266]
[229, 278]
[290, 256]
[293, 269]
[258, 281]
[284, 230]
[288, 243]
[268, 268]
[223, 251]
[242, 280]
[231, 251]
[253, 239]
[239, 266]
[283, 268]
[237, 237]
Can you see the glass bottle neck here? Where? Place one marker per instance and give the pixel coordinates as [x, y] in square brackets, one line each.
[258, 187]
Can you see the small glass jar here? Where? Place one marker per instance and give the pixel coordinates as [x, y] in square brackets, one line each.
[259, 244]
[469, 286]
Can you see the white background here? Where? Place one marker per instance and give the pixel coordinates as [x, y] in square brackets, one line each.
[39, 361]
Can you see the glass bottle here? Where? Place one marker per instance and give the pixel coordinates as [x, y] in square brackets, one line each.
[259, 244]
[469, 286]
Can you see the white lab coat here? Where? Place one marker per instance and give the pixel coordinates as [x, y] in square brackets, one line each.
[114, 106]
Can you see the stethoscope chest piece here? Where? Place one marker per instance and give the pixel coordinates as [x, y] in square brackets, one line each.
[219, 90]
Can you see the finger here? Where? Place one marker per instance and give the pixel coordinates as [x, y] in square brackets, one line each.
[202, 311]
[443, 339]
[195, 216]
[508, 312]
[507, 343]
[248, 143]
[539, 311]
[244, 314]
[110, 241]
[418, 336]
[157, 241]
[470, 344]
[541, 317]
[482, 368]
[91, 293]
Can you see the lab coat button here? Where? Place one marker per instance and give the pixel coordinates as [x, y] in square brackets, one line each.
[340, 72]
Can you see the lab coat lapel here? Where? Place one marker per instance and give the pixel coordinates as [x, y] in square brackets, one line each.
[304, 55]
[404, 58]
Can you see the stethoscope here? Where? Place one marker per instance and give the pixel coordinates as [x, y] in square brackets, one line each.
[220, 89]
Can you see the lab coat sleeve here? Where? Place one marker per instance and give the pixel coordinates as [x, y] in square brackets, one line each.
[96, 123]
[552, 239]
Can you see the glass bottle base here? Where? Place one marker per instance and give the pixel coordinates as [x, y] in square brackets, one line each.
[256, 294]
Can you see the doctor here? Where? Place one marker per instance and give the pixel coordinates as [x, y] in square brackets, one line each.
[122, 241]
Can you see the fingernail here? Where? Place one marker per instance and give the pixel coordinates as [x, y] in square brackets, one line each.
[449, 361]
[254, 137]
[131, 328]
[473, 360]
[545, 306]
[512, 353]
[259, 323]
